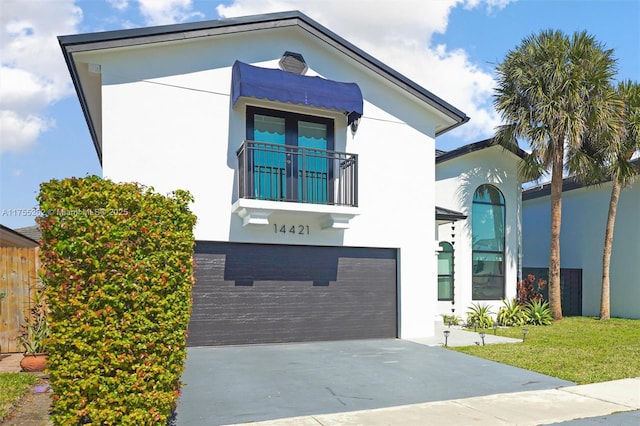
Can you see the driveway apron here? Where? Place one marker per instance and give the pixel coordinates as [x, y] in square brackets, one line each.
[237, 384]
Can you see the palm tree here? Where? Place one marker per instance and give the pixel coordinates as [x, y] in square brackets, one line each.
[608, 157]
[551, 90]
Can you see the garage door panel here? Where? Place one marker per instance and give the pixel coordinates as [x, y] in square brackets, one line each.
[264, 294]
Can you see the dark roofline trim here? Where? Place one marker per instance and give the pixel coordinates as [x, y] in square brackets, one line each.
[568, 184]
[452, 218]
[138, 36]
[449, 215]
[473, 147]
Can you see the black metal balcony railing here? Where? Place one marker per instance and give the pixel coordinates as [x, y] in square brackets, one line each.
[301, 175]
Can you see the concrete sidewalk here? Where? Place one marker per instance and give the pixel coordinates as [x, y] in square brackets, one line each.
[520, 408]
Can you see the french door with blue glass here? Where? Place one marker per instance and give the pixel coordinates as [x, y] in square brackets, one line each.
[290, 156]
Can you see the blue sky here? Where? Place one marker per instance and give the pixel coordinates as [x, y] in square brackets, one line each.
[450, 47]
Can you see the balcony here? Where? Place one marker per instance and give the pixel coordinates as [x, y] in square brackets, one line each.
[274, 177]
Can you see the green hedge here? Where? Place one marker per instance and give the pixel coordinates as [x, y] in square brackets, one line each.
[118, 274]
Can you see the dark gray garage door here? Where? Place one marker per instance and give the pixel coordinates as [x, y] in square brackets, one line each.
[251, 293]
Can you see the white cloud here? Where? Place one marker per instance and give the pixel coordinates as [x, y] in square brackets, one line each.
[399, 33]
[20, 131]
[162, 12]
[32, 73]
[409, 20]
[120, 5]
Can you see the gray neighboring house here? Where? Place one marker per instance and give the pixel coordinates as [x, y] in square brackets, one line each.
[19, 237]
[31, 232]
[584, 216]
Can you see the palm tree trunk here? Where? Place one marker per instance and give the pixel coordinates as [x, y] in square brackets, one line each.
[605, 301]
[555, 295]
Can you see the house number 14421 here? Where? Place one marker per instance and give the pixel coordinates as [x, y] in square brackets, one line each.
[291, 229]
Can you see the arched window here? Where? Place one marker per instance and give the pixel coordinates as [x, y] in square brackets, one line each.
[488, 225]
[445, 272]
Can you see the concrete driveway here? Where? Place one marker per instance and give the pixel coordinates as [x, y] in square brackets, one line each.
[237, 384]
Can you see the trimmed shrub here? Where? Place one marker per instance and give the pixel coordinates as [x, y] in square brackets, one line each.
[118, 274]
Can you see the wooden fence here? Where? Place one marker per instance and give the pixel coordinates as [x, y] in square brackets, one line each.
[18, 283]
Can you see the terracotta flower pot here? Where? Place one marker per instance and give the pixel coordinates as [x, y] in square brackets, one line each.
[33, 362]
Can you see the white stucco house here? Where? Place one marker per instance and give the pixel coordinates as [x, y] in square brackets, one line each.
[478, 194]
[312, 165]
[584, 217]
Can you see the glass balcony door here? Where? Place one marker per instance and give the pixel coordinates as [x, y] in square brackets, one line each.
[313, 164]
[293, 164]
[269, 161]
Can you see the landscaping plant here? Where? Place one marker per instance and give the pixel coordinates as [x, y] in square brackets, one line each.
[451, 319]
[528, 290]
[479, 314]
[538, 313]
[511, 314]
[35, 329]
[118, 273]
[553, 90]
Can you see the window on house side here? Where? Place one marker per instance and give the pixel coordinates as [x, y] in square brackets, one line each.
[445, 272]
[488, 230]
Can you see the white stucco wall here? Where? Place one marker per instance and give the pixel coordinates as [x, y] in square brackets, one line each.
[167, 122]
[584, 216]
[456, 181]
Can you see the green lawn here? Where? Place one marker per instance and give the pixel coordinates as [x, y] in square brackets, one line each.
[578, 349]
[12, 387]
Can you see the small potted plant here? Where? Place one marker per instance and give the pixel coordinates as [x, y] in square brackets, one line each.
[33, 334]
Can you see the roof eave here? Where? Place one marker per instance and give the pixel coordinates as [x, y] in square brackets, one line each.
[463, 119]
[450, 217]
[71, 44]
[15, 236]
[81, 96]
[474, 147]
[568, 184]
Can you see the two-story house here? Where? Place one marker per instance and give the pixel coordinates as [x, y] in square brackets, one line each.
[312, 165]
